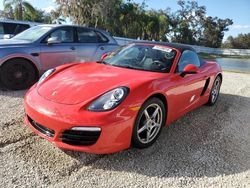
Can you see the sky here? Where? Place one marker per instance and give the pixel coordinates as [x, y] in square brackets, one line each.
[237, 10]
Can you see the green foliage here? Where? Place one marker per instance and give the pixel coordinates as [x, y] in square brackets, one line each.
[186, 23]
[214, 31]
[242, 41]
[125, 19]
[19, 8]
[190, 25]
[23, 10]
[122, 18]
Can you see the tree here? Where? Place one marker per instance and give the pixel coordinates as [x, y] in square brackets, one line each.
[214, 29]
[39, 16]
[186, 22]
[163, 25]
[8, 12]
[242, 41]
[125, 19]
[190, 25]
[19, 7]
[29, 13]
[86, 12]
[56, 18]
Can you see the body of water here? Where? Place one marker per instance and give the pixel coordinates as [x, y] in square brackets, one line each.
[233, 64]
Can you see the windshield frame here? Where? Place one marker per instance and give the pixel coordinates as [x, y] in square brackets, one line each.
[173, 60]
[50, 28]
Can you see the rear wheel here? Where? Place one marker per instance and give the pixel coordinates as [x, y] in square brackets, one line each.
[149, 123]
[18, 74]
[214, 94]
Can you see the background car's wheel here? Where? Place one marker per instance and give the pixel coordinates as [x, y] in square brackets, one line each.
[149, 122]
[214, 94]
[18, 74]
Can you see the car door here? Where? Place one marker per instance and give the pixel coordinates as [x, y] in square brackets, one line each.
[62, 52]
[87, 44]
[188, 88]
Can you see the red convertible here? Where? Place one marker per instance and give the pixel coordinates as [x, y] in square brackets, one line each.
[123, 100]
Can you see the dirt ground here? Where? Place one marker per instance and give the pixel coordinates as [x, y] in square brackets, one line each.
[209, 147]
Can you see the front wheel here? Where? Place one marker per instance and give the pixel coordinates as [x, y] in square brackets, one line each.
[149, 122]
[214, 94]
[17, 74]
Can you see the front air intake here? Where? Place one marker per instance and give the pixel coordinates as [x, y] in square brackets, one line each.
[80, 137]
[44, 130]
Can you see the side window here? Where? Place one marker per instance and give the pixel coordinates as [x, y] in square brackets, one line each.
[1, 29]
[9, 28]
[101, 38]
[86, 35]
[21, 27]
[188, 57]
[65, 35]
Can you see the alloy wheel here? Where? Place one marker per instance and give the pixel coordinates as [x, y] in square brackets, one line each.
[215, 89]
[150, 123]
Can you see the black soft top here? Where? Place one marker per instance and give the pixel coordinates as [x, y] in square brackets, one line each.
[181, 47]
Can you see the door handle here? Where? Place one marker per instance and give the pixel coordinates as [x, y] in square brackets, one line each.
[72, 48]
[102, 48]
[35, 54]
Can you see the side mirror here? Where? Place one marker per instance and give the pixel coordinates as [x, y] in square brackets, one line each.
[189, 69]
[7, 36]
[53, 40]
[104, 56]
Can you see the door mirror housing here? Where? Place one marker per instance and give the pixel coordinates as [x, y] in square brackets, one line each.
[7, 36]
[53, 40]
[189, 69]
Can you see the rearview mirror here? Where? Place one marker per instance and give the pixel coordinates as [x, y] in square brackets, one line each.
[53, 40]
[189, 69]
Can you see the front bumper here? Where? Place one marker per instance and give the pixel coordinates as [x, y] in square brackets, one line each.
[116, 126]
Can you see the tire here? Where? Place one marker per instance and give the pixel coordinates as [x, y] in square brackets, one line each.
[17, 74]
[215, 91]
[147, 129]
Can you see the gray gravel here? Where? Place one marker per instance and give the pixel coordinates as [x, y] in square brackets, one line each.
[209, 147]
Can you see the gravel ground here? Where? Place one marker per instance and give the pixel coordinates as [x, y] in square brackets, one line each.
[209, 147]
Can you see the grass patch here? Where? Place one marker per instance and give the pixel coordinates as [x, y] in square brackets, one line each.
[214, 56]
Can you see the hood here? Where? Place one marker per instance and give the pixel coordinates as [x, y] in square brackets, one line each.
[12, 42]
[84, 82]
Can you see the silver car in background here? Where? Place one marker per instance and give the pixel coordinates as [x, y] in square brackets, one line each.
[27, 55]
[10, 28]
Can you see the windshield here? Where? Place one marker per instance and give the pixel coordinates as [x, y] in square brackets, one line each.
[33, 33]
[145, 57]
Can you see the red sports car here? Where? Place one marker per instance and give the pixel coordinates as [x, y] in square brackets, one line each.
[123, 100]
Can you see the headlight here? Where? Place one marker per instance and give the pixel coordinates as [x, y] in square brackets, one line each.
[109, 100]
[45, 75]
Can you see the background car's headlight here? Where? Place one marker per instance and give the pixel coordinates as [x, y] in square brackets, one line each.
[45, 75]
[109, 100]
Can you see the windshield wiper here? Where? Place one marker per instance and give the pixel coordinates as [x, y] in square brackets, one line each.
[103, 62]
[125, 66]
